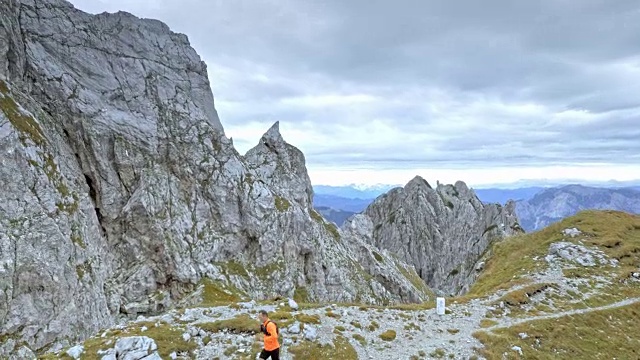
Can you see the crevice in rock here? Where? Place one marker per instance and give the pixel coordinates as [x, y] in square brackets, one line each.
[307, 264]
[116, 167]
[16, 67]
[252, 246]
[94, 197]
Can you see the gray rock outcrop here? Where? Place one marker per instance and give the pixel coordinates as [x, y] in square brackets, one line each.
[578, 254]
[135, 348]
[121, 191]
[442, 232]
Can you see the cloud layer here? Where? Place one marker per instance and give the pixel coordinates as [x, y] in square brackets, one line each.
[410, 85]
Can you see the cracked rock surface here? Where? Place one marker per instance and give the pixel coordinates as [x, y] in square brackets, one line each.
[442, 232]
[121, 192]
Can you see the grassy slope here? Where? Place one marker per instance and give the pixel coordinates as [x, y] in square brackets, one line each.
[615, 233]
[595, 335]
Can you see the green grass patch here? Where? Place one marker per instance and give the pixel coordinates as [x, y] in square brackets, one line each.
[230, 350]
[26, 125]
[485, 323]
[233, 268]
[341, 350]
[594, 335]
[414, 307]
[167, 337]
[328, 226]
[308, 319]
[521, 296]
[268, 272]
[76, 238]
[282, 204]
[412, 326]
[614, 232]
[241, 324]
[359, 338]
[373, 326]
[331, 314]
[415, 280]
[332, 229]
[28, 128]
[388, 335]
[216, 293]
[83, 269]
[4, 88]
[378, 257]
[438, 353]
[301, 294]
[316, 216]
[282, 318]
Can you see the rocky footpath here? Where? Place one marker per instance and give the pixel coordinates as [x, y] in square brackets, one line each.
[338, 331]
[442, 232]
[342, 332]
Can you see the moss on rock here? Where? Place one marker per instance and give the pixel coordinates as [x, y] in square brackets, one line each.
[25, 124]
[282, 204]
[217, 293]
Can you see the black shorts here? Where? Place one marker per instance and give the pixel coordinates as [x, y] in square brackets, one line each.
[275, 354]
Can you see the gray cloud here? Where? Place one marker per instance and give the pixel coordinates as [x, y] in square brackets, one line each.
[421, 83]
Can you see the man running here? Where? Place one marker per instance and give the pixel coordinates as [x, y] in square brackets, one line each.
[270, 331]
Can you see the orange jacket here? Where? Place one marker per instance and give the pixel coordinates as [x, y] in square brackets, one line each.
[271, 338]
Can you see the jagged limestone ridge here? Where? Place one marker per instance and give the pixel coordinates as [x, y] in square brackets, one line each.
[443, 232]
[122, 192]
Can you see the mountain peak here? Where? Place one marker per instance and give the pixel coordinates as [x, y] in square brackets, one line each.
[440, 231]
[417, 182]
[147, 197]
[282, 166]
[273, 135]
[461, 186]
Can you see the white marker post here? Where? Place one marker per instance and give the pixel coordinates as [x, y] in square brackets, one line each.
[440, 306]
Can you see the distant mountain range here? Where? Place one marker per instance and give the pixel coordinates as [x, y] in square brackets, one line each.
[354, 191]
[354, 200]
[555, 204]
[501, 196]
[334, 215]
[536, 207]
[353, 205]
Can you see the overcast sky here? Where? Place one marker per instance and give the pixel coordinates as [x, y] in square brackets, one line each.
[489, 92]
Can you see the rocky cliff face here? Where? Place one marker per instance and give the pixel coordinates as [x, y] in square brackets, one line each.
[554, 204]
[121, 191]
[443, 232]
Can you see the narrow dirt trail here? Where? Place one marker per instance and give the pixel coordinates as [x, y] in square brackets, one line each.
[516, 321]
